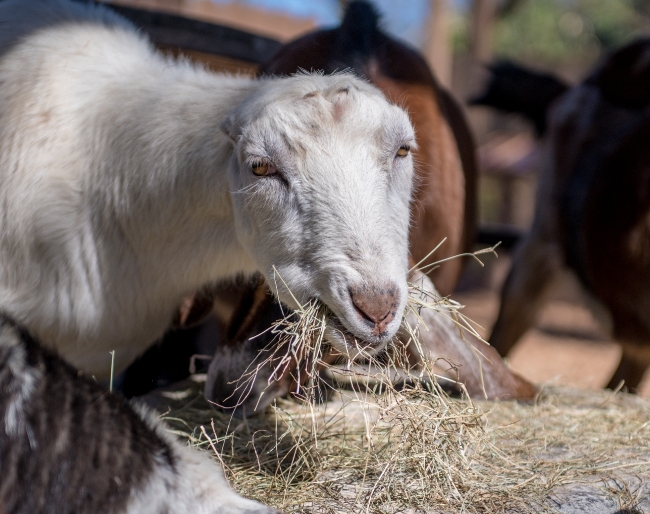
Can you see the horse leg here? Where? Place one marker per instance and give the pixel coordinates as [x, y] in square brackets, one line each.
[633, 365]
[536, 265]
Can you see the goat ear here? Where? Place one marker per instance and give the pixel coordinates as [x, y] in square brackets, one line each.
[229, 127]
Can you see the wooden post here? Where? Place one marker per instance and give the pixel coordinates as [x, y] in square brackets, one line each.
[483, 18]
[438, 47]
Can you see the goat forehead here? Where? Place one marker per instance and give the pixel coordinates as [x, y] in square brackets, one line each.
[320, 115]
[311, 106]
[323, 97]
[377, 124]
[326, 86]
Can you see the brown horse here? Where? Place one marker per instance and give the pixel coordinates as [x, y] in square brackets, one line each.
[593, 207]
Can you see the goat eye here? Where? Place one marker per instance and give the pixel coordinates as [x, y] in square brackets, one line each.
[263, 169]
[403, 151]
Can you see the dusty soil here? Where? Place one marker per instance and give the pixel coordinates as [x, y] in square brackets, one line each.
[567, 347]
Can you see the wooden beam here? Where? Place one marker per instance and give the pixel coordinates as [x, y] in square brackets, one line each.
[178, 32]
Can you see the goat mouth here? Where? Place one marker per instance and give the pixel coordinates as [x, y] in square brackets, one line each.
[346, 342]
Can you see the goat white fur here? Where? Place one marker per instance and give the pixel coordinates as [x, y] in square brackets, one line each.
[126, 184]
[195, 484]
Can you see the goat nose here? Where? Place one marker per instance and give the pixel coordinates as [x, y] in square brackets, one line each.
[376, 305]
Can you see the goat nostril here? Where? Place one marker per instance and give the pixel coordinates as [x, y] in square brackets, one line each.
[362, 314]
[375, 305]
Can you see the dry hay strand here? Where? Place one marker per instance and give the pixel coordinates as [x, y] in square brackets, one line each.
[378, 446]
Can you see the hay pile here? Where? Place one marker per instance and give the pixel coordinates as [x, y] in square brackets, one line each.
[417, 450]
[375, 447]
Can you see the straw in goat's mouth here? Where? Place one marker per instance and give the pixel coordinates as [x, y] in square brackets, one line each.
[299, 342]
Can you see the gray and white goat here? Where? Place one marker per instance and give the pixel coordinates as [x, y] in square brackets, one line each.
[67, 445]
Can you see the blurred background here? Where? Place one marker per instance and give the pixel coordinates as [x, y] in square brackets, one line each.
[459, 38]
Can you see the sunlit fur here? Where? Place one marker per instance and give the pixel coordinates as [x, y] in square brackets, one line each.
[126, 184]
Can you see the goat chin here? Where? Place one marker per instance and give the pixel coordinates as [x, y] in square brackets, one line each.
[349, 345]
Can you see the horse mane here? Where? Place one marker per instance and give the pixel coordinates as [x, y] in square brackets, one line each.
[357, 34]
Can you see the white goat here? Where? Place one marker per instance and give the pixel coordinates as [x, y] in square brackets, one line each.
[129, 180]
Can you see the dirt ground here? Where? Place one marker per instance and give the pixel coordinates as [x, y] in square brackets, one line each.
[567, 347]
